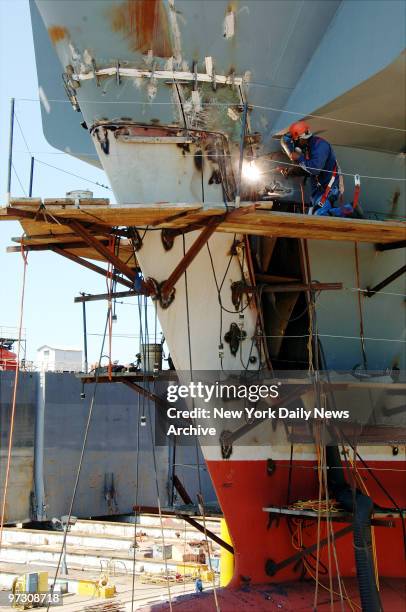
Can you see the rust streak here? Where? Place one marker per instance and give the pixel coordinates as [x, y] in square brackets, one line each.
[57, 33]
[144, 23]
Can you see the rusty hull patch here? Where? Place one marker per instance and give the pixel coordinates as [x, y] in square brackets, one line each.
[144, 24]
[57, 33]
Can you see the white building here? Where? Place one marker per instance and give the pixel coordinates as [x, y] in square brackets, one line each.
[52, 359]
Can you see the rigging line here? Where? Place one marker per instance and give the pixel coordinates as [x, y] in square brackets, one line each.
[223, 104]
[136, 499]
[285, 163]
[156, 472]
[331, 336]
[79, 468]
[200, 494]
[371, 125]
[365, 176]
[190, 351]
[18, 179]
[361, 316]
[22, 133]
[72, 174]
[14, 400]
[376, 294]
[330, 531]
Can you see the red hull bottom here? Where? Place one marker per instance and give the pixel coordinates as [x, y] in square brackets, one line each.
[244, 488]
[289, 596]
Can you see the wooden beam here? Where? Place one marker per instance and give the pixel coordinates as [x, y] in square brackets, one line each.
[185, 262]
[103, 250]
[389, 246]
[201, 240]
[261, 222]
[90, 266]
[48, 246]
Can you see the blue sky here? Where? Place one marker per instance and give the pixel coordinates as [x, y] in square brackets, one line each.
[50, 316]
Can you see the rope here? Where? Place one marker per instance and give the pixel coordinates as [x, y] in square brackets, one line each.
[14, 400]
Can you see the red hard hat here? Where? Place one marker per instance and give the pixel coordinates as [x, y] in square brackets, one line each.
[300, 129]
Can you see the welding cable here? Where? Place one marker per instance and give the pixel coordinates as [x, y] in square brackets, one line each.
[14, 398]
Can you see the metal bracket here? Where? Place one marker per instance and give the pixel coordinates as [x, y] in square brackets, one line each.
[168, 237]
[156, 293]
[237, 290]
[270, 466]
[134, 236]
[226, 444]
[234, 336]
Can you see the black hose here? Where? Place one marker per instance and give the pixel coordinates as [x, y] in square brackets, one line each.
[361, 506]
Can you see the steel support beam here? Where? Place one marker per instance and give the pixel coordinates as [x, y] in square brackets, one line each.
[206, 531]
[104, 296]
[148, 394]
[271, 567]
[372, 290]
[182, 491]
[192, 521]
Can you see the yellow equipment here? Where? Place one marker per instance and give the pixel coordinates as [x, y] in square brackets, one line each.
[226, 558]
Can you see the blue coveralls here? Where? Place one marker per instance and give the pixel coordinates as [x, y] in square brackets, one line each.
[319, 161]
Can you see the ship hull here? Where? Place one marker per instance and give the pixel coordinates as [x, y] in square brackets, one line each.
[182, 84]
[245, 488]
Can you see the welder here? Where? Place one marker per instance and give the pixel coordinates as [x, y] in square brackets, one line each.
[317, 159]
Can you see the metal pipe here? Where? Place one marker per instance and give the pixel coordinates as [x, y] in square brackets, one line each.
[10, 150]
[105, 296]
[39, 513]
[31, 178]
[86, 364]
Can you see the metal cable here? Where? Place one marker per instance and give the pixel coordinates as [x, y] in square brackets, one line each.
[79, 469]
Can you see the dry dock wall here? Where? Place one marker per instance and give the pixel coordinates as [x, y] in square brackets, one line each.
[49, 428]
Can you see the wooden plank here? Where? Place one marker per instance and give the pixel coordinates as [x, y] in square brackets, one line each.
[260, 222]
[33, 203]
